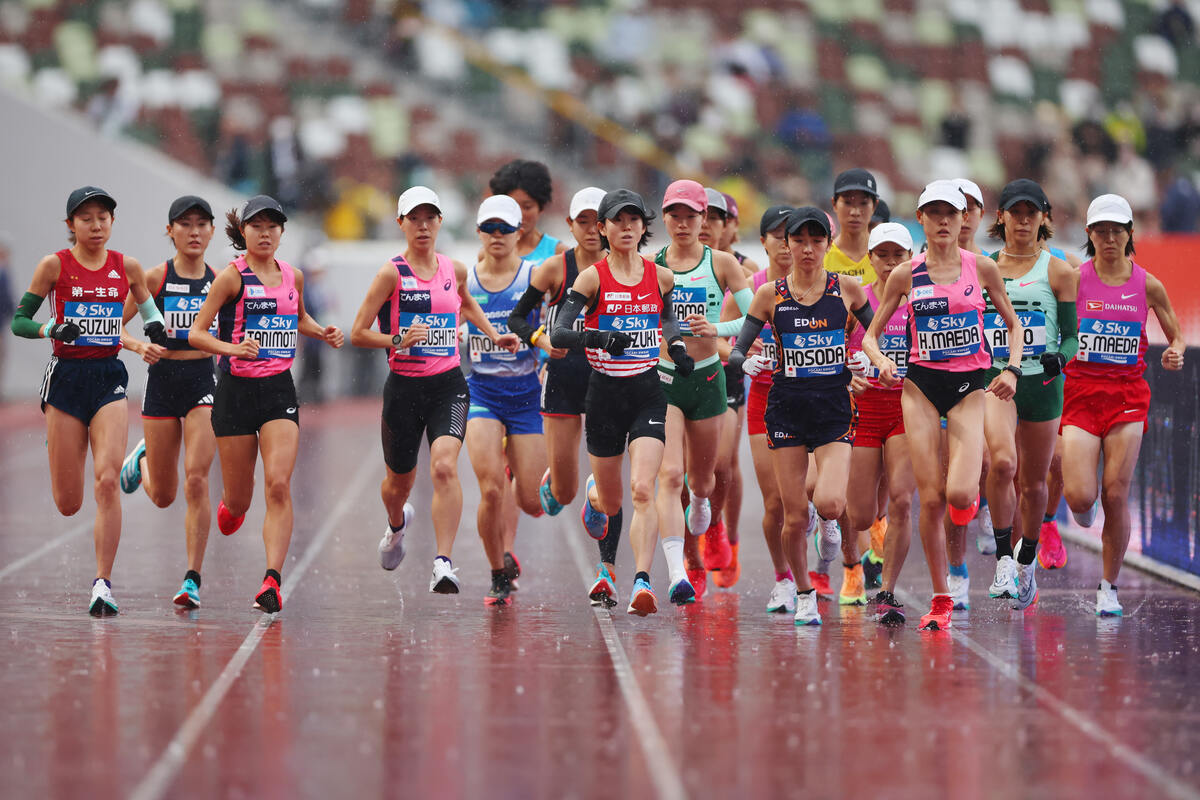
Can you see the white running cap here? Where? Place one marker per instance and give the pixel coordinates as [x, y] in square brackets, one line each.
[970, 189]
[501, 207]
[1109, 208]
[586, 200]
[946, 191]
[890, 232]
[417, 196]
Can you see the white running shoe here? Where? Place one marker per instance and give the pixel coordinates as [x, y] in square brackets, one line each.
[699, 515]
[1027, 591]
[103, 605]
[391, 546]
[444, 581]
[783, 597]
[1087, 518]
[1005, 584]
[1107, 604]
[829, 546]
[806, 609]
[985, 539]
[812, 521]
[960, 588]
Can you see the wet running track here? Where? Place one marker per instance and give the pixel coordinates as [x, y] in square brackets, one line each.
[367, 685]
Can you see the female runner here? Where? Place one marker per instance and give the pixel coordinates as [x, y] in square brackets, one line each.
[528, 182]
[258, 304]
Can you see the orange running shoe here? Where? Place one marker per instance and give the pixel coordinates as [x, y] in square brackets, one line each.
[820, 582]
[716, 551]
[878, 532]
[727, 577]
[853, 592]
[938, 618]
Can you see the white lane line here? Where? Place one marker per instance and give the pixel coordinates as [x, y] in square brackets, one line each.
[1154, 773]
[160, 777]
[662, 769]
[25, 560]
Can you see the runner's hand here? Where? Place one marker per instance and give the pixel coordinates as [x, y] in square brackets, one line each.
[755, 364]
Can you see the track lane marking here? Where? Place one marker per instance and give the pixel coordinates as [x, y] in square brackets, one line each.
[29, 558]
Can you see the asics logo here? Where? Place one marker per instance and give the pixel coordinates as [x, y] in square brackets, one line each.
[964, 387]
[968, 290]
[292, 410]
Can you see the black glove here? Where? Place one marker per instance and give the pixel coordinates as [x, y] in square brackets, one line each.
[63, 331]
[684, 364]
[612, 342]
[156, 333]
[1052, 363]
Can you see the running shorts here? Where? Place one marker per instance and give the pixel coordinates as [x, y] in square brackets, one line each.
[756, 408]
[942, 388]
[511, 401]
[433, 405]
[242, 405]
[735, 388]
[1037, 399]
[700, 395]
[82, 386]
[1097, 405]
[809, 418]
[620, 410]
[174, 388]
[564, 393]
[879, 417]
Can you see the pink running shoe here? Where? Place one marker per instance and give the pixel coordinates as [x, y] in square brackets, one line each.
[1051, 553]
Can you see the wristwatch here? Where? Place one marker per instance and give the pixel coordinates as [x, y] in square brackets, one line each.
[1014, 370]
[396, 340]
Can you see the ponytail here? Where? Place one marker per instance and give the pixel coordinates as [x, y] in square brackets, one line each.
[233, 229]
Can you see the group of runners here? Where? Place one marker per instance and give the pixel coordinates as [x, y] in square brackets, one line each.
[991, 385]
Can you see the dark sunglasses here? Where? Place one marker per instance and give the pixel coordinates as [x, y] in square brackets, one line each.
[491, 227]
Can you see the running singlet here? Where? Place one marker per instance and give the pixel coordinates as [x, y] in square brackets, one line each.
[270, 314]
[570, 273]
[893, 342]
[434, 302]
[811, 339]
[178, 299]
[839, 262]
[637, 311]
[486, 358]
[94, 299]
[767, 338]
[697, 291]
[945, 326]
[545, 248]
[1112, 326]
[1037, 309]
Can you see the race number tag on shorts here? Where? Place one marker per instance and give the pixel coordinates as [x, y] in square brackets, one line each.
[276, 334]
[1109, 342]
[442, 339]
[99, 323]
[643, 331]
[942, 337]
[810, 354]
[1034, 325]
[895, 347]
[180, 312]
[688, 300]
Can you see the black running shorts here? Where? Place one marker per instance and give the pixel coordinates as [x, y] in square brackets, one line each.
[433, 405]
[175, 387]
[242, 405]
[943, 388]
[620, 410]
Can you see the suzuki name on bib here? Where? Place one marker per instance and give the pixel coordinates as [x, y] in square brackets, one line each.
[99, 323]
[1109, 342]
[946, 336]
[688, 300]
[276, 334]
[442, 338]
[642, 329]
[180, 312]
[1034, 325]
[810, 354]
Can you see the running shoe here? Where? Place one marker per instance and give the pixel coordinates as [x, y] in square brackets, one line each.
[642, 601]
[546, 497]
[820, 582]
[878, 533]
[806, 609]
[812, 521]
[1051, 553]
[727, 577]
[938, 618]
[963, 516]
[188, 595]
[604, 588]
[985, 540]
[717, 551]
[888, 610]
[783, 597]
[444, 581]
[269, 599]
[227, 523]
[500, 591]
[103, 604]
[960, 591]
[1005, 583]
[595, 522]
[1087, 518]
[829, 545]
[131, 468]
[682, 593]
[391, 546]
[1107, 604]
[853, 592]
[512, 568]
[1026, 591]
[872, 568]
[699, 515]
[698, 578]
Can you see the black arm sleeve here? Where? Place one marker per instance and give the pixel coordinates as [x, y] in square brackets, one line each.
[865, 314]
[562, 334]
[750, 330]
[670, 325]
[518, 320]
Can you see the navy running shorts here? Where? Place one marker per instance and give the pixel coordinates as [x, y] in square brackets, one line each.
[82, 386]
[809, 418]
[175, 387]
[564, 394]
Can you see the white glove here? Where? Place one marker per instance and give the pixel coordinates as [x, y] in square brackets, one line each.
[755, 364]
[859, 363]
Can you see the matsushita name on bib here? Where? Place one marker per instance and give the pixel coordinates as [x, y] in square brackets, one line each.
[441, 338]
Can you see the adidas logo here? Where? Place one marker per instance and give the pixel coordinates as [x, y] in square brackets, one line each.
[119, 390]
[207, 400]
[112, 273]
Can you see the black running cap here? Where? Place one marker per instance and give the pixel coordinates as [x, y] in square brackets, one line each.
[882, 212]
[855, 180]
[772, 218]
[185, 204]
[85, 193]
[260, 203]
[804, 215]
[1024, 190]
[618, 200]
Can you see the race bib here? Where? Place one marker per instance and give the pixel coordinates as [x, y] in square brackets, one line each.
[895, 347]
[482, 349]
[945, 336]
[1109, 342]
[1034, 325]
[180, 312]
[276, 334]
[442, 339]
[810, 354]
[688, 300]
[99, 323]
[643, 330]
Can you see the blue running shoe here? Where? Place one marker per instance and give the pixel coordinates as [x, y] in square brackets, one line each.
[642, 600]
[131, 468]
[189, 595]
[550, 505]
[594, 521]
[682, 592]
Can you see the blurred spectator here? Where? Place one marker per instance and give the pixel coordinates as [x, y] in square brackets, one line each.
[8, 305]
[1175, 24]
[1181, 206]
[1133, 178]
[284, 163]
[310, 386]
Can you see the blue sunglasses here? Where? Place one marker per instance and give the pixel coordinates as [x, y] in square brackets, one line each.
[492, 226]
